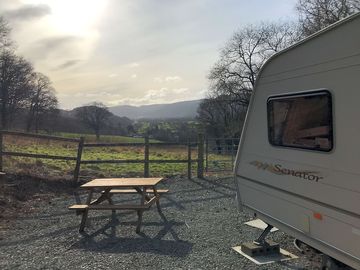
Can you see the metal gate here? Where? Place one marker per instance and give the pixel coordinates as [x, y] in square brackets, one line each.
[220, 154]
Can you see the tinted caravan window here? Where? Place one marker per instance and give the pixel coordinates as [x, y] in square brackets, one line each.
[301, 121]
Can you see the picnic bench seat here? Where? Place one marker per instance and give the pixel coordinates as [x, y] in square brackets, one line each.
[132, 191]
[78, 207]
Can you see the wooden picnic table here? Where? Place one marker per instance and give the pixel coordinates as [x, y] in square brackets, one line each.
[107, 187]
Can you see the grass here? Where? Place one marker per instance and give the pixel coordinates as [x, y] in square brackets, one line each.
[103, 138]
[64, 169]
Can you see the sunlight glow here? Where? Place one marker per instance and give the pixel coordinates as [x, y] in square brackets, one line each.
[73, 17]
[77, 17]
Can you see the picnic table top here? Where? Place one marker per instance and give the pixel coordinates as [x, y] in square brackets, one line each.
[122, 182]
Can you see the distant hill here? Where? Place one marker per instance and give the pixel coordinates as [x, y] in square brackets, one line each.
[183, 109]
[67, 122]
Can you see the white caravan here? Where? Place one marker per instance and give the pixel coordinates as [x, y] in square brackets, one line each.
[298, 164]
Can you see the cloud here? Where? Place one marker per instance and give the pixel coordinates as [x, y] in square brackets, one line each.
[172, 79]
[101, 94]
[134, 76]
[27, 12]
[158, 80]
[56, 42]
[112, 75]
[67, 64]
[134, 65]
[180, 90]
[60, 45]
[153, 96]
[167, 79]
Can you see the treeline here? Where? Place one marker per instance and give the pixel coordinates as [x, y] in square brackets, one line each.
[171, 130]
[23, 91]
[233, 76]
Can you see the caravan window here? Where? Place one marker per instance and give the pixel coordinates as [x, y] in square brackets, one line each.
[301, 121]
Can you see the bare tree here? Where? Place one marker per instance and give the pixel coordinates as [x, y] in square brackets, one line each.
[15, 78]
[42, 101]
[221, 116]
[233, 77]
[315, 15]
[4, 34]
[242, 57]
[94, 116]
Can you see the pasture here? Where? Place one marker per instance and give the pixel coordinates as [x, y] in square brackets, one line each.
[64, 169]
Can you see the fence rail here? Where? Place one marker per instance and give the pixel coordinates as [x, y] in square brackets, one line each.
[81, 145]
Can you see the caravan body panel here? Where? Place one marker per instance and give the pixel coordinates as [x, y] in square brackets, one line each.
[313, 195]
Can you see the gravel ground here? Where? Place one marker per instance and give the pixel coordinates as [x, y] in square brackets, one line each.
[199, 226]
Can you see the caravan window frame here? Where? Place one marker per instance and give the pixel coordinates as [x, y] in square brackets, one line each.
[313, 93]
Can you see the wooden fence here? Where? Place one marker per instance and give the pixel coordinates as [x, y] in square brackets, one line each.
[81, 145]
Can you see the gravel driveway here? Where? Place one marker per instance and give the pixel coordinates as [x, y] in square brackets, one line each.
[198, 229]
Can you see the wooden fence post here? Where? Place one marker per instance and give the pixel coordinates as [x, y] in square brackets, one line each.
[1, 151]
[207, 154]
[189, 160]
[146, 157]
[78, 160]
[200, 169]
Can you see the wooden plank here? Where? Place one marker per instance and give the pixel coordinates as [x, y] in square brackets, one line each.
[152, 200]
[168, 161]
[131, 144]
[115, 161]
[122, 182]
[78, 159]
[132, 191]
[121, 161]
[146, 157]
[78, 207]
[207, 154]
[189, 161]
[112, 144]
[39, 136]
[200, 169]
[1, 151]
[19, 154]
[168, 144]
[118, 207]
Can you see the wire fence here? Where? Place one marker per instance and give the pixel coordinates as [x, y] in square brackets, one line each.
[220, 154]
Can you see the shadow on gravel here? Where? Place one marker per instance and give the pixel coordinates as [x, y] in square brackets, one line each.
[210, 185]
[56, 233]
[110, 243]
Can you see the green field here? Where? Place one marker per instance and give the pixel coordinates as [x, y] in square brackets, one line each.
[103, 138]
[64, 169]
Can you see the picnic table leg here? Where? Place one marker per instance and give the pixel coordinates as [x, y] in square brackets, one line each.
[158, 200]
[138, 227]
[140, 212]
[111, 202]
[86, 211]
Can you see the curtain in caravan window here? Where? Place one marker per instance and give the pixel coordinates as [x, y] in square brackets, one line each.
[301, 121]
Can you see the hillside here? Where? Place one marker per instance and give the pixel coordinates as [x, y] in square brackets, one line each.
[67, 122]
[184, 109]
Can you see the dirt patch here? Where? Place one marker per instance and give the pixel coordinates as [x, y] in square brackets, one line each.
[21, 193]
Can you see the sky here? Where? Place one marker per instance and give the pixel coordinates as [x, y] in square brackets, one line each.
[132, 52]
